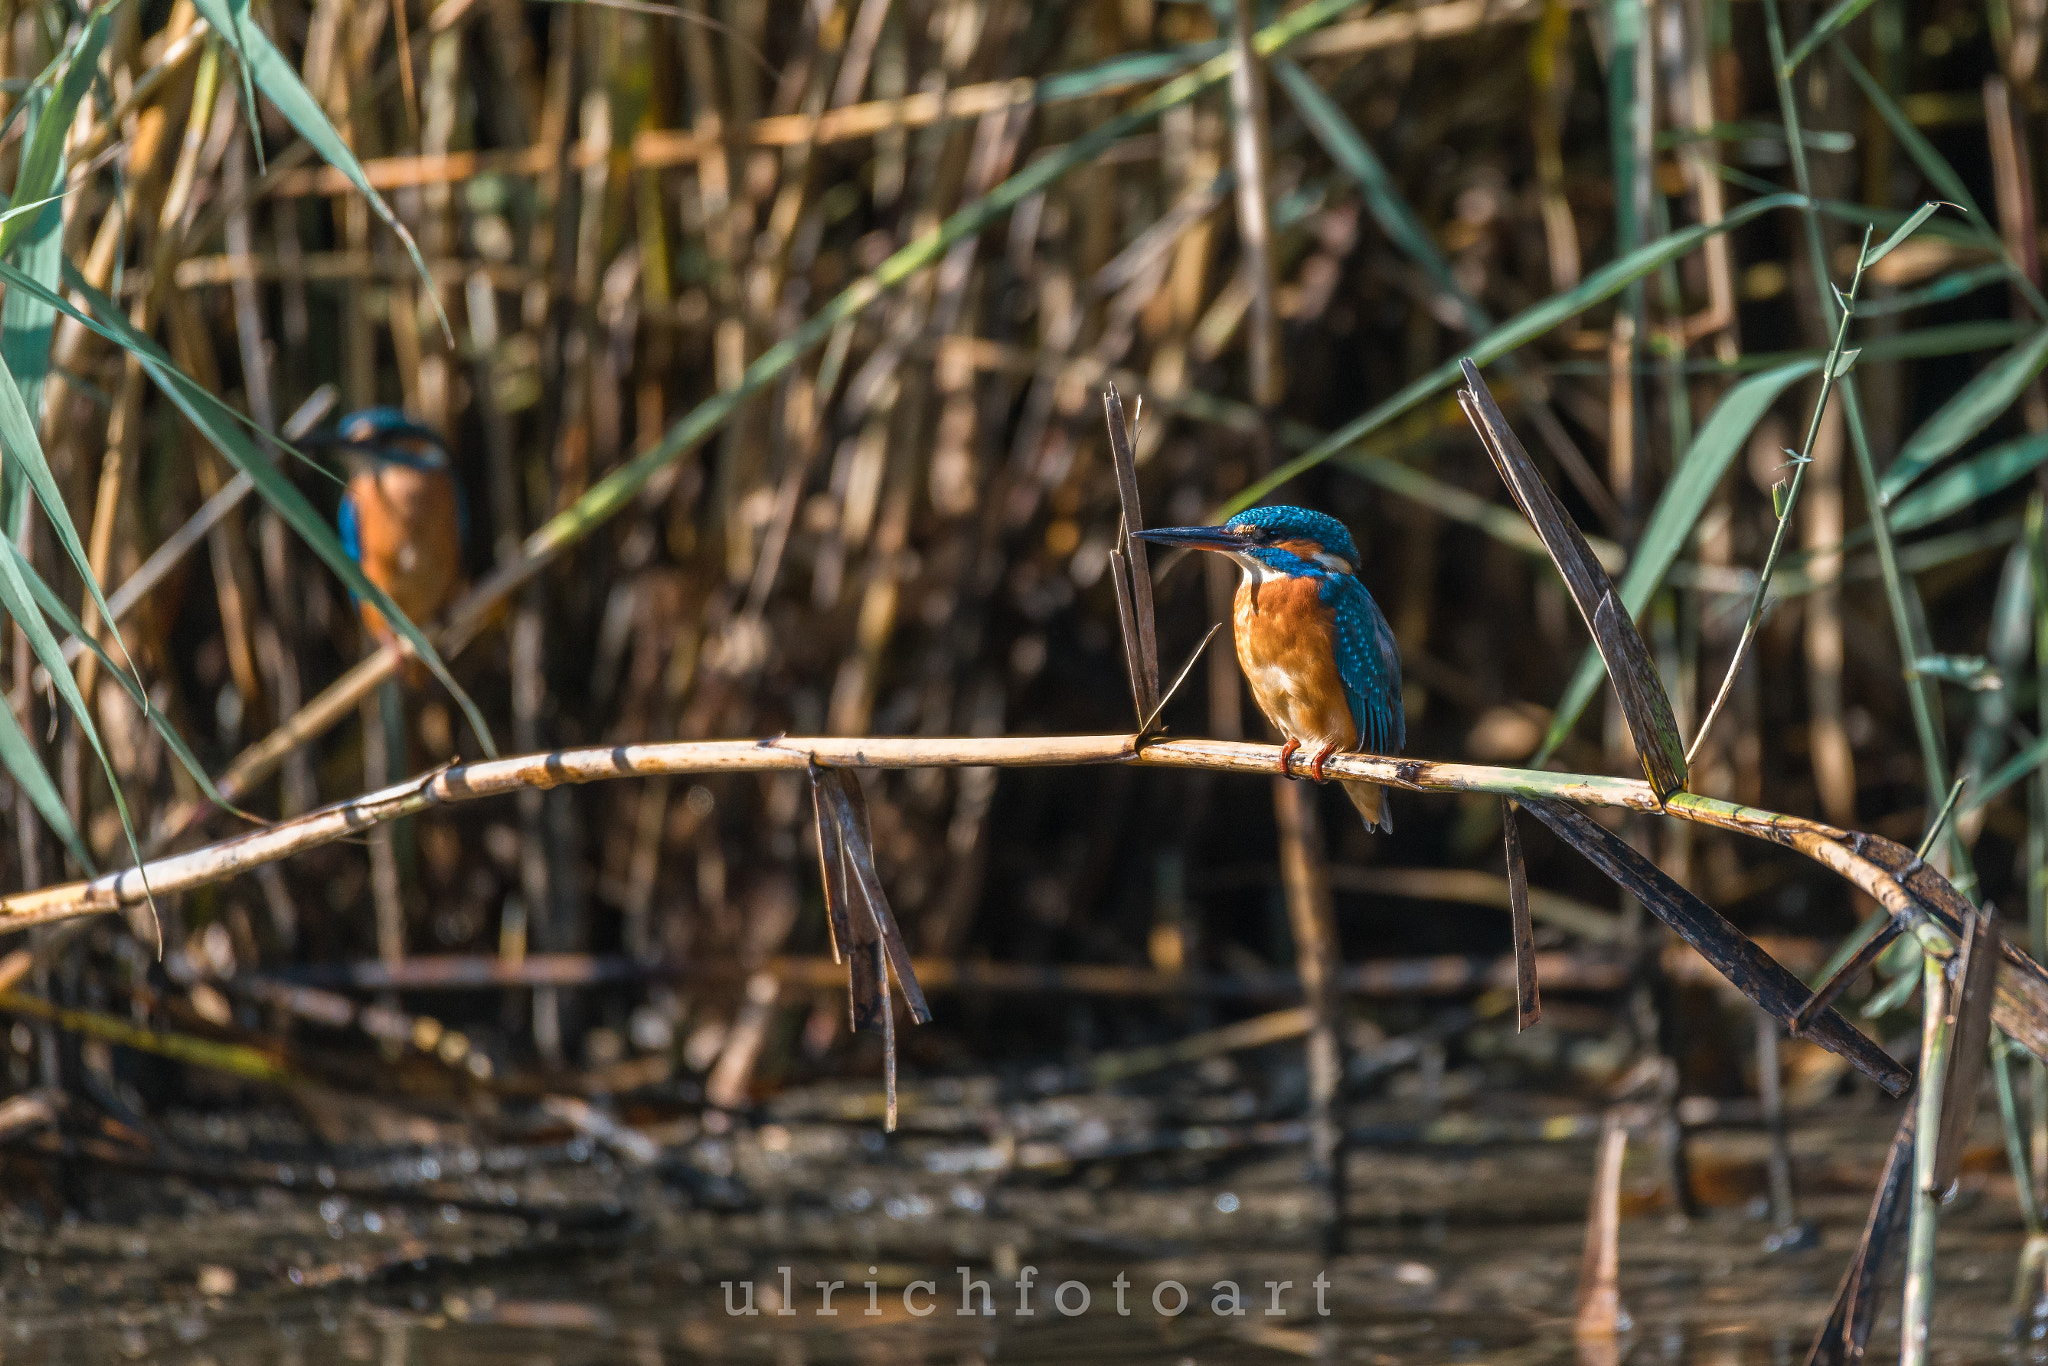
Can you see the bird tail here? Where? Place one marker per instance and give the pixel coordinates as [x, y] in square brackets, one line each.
[1372, 803]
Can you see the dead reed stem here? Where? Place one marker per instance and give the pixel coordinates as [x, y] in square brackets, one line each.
[1883, 870]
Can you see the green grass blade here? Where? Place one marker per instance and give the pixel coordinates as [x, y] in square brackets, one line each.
[1724, 434]
[1754, 130]
[27, 324]
[42, 164]
[1834, 21]
[18, 437]
[25, 766]
[55, 608]
[282, 87]
[235, 35]
[1355, 157]
[1909, 628]
[1939, 173]
[1953, 285]
[1929, 162]
[1982, 475]
[1946, 339]
[19, 603]
[2007, 773]
[1967, 412]
[1459, 504]
[222, 426]
[1901, 233]
[1118, 73]
[2010, 642]
[1530, 323]
[26, 328]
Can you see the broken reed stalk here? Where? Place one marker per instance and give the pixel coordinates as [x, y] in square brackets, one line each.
[1969, 1022]
[1528, 996]
[1130, 570]
[1841, 1339]
[1644, 704]
[1883, 870]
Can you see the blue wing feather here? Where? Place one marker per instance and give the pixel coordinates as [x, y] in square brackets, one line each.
[351, 530]
[1368, 663]
[351, 533]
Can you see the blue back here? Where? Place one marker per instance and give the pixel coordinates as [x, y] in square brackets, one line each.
[351, 529]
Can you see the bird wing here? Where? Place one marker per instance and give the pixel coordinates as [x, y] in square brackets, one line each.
[351, 528]
[1369, 663]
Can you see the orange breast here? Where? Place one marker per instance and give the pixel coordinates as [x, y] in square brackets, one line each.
[411, 539]
[1285, 636]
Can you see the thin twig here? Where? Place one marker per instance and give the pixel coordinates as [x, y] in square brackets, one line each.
[1829, 373]
[1145, 726]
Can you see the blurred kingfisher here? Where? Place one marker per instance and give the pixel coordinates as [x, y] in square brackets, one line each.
[401, 515]
[1320, 657]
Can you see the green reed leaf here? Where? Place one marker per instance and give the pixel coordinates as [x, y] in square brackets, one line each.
[1967, 412]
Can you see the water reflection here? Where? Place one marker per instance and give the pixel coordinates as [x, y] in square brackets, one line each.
[1711, 1301]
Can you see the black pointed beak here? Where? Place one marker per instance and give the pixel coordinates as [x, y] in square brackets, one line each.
[1194, 537]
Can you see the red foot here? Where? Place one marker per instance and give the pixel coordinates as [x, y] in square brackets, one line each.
[1287, 752]
[1315, 766]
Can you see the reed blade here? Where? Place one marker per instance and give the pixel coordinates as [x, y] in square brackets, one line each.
[857, 839]
[1976, 976]
[1142, 639]
[1853, 967]
[1672, 522]
[1530, 323]
[24, 764]
[1841, 1339]
[1969, 481]
[1967, 412]
[831, 867]
[1644, 703]
[227, 430]
[1733, 954]
[270, 71]
[1528, 999]
[42, 162]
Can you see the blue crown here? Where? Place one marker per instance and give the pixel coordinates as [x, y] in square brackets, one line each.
[375, 422]
[1292, 523]
[386, 433]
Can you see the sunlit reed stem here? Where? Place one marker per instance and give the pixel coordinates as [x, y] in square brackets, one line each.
[1918, 1307]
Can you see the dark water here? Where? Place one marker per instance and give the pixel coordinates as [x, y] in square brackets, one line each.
[1707, 1295]
[1457, 1256]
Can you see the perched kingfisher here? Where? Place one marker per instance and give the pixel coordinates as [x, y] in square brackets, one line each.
[401, 515]
[1320, 656]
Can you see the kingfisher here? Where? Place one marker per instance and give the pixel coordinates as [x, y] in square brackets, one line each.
[1315, 647]
[401, 515]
